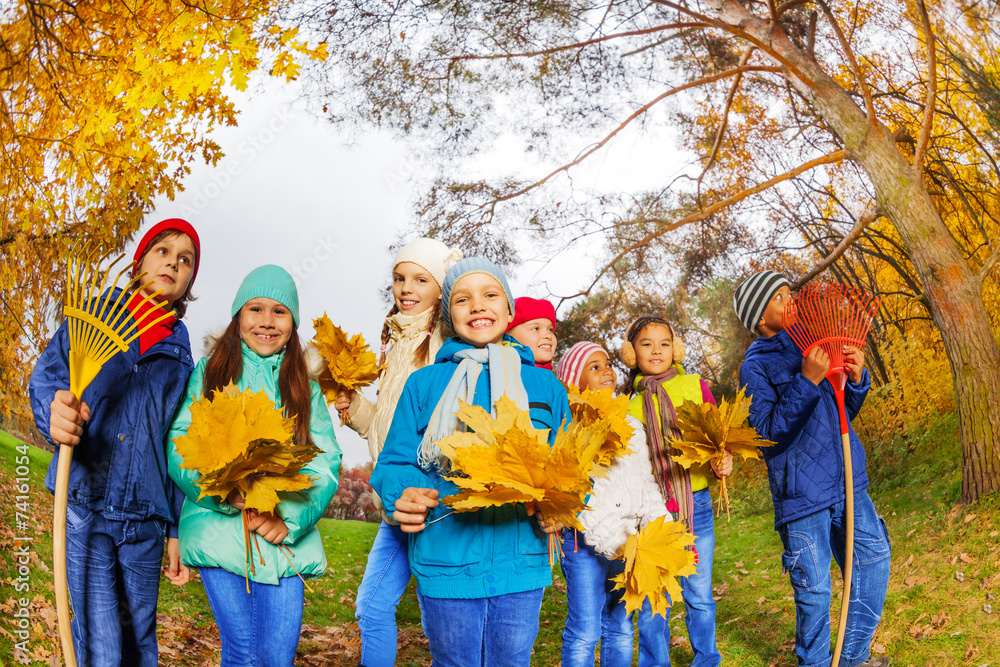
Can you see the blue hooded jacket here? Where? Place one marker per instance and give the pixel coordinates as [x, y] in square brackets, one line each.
[120, 466]
[805, 468]
[490, 552]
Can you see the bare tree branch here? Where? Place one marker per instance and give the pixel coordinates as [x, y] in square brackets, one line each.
[852, 236]
[925, 127]
[849, 53]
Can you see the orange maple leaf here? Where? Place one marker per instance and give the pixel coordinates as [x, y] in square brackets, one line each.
[350, 362]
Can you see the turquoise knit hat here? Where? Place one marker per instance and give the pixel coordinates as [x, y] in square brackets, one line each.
[464, 268]
[269, 281]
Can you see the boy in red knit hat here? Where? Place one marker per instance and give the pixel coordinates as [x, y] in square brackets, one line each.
[534, 325]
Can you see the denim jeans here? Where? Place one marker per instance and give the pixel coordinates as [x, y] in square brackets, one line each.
[809, 542]
[386, 577]
[696, 590]
[489, 632]
[260, 628]
[593, 611]
[113, 575]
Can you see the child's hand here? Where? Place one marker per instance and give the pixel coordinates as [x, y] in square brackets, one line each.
[412, 507]
[815, 365]
[236, 499]
[66, 418]
[269, 526]
[344, 399]
[854, 362]
[176, 572]
[725, 469]
[547, 525]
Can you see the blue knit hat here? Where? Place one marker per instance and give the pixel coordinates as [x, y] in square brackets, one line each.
[464, 268]
[269, 281]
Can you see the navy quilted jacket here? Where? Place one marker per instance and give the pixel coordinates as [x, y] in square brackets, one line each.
[120, 466]
[806, 467]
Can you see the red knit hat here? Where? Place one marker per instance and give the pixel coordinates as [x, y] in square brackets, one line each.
[527, 309]
[176, 224]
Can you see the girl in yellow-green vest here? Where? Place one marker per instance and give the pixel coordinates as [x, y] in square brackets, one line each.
[658, 383]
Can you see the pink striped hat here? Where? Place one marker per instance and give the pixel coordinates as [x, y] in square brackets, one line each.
[570, 366]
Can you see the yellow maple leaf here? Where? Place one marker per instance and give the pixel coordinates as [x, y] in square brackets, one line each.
[350, 362]
[654, 558]
[506, 460]
[592, 406]
[242, 441]
[708, 432]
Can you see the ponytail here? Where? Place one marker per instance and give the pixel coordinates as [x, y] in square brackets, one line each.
[424, 349]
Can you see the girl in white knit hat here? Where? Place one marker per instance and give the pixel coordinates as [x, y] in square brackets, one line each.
[412, 334]
[620, 503]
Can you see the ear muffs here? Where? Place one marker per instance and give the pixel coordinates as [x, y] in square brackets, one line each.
[679, 351]
[627, 353]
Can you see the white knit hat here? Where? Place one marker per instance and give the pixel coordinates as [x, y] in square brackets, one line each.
[431, 255]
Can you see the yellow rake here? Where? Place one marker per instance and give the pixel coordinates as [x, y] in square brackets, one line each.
[98, 330]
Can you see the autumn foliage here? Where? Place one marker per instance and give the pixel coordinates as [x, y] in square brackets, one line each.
[590, 407]
[654, 558]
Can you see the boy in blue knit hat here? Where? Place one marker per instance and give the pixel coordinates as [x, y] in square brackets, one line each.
[481, 574]
[794, 406]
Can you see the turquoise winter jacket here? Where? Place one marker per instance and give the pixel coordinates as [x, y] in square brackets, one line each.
[479, 554]
[211, 531]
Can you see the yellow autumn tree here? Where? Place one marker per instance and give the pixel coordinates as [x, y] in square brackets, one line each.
[103, 107]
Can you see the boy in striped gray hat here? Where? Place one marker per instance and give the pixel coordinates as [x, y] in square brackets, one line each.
[795, 407]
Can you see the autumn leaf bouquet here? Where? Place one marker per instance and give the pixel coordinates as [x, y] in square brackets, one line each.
[591, 407]
[654, 558]
[505, 460]
[350, 362]
[242, 442]
[709, 432]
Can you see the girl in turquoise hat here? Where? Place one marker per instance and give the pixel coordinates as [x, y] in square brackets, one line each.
[259, 350]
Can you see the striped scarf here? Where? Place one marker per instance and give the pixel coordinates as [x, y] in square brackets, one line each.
[674, 481]
[503, 364]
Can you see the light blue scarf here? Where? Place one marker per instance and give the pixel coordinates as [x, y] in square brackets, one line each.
[504, 367]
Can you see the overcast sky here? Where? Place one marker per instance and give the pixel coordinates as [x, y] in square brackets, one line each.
[291, 192]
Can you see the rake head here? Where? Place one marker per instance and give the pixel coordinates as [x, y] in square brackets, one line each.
[100, 329]
[830, 315]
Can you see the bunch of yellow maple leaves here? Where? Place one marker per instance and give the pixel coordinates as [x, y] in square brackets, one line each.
[708, 432]
[654, 558]
[601, 406]
[241, 441]
[350, 362]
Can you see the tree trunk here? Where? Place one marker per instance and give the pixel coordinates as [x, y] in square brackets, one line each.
[952, 290]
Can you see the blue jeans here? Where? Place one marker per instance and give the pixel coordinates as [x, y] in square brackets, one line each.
[260, 628]
[809, 542]
[113, 575]
[489, 632]
[386, 577]
[593, 611]
[696, 590]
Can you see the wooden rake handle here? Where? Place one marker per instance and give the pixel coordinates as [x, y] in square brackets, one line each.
[59, 554]
[845, 441]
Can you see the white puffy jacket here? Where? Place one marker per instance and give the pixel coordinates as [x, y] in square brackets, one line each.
[623, 501]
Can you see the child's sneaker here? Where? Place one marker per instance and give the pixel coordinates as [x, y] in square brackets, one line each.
[876, 661]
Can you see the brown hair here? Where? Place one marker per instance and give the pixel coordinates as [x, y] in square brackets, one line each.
[423, 351]
[226, 365]
[180, 305]
[631, 334]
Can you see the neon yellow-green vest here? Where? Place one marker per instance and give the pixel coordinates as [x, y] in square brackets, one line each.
[681, 388]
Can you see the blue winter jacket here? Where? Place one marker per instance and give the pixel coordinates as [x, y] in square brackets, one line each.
[120, 466]
[806, 467]
[480, 554]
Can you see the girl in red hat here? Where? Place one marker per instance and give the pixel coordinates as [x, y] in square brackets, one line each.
[122, 505]
[534, 325]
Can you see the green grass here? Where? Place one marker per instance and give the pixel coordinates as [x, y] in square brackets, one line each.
[945, 575]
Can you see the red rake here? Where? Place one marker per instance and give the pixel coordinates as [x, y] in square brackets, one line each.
[831, 316]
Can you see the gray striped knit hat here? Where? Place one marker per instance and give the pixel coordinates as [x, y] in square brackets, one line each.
[753, 294]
